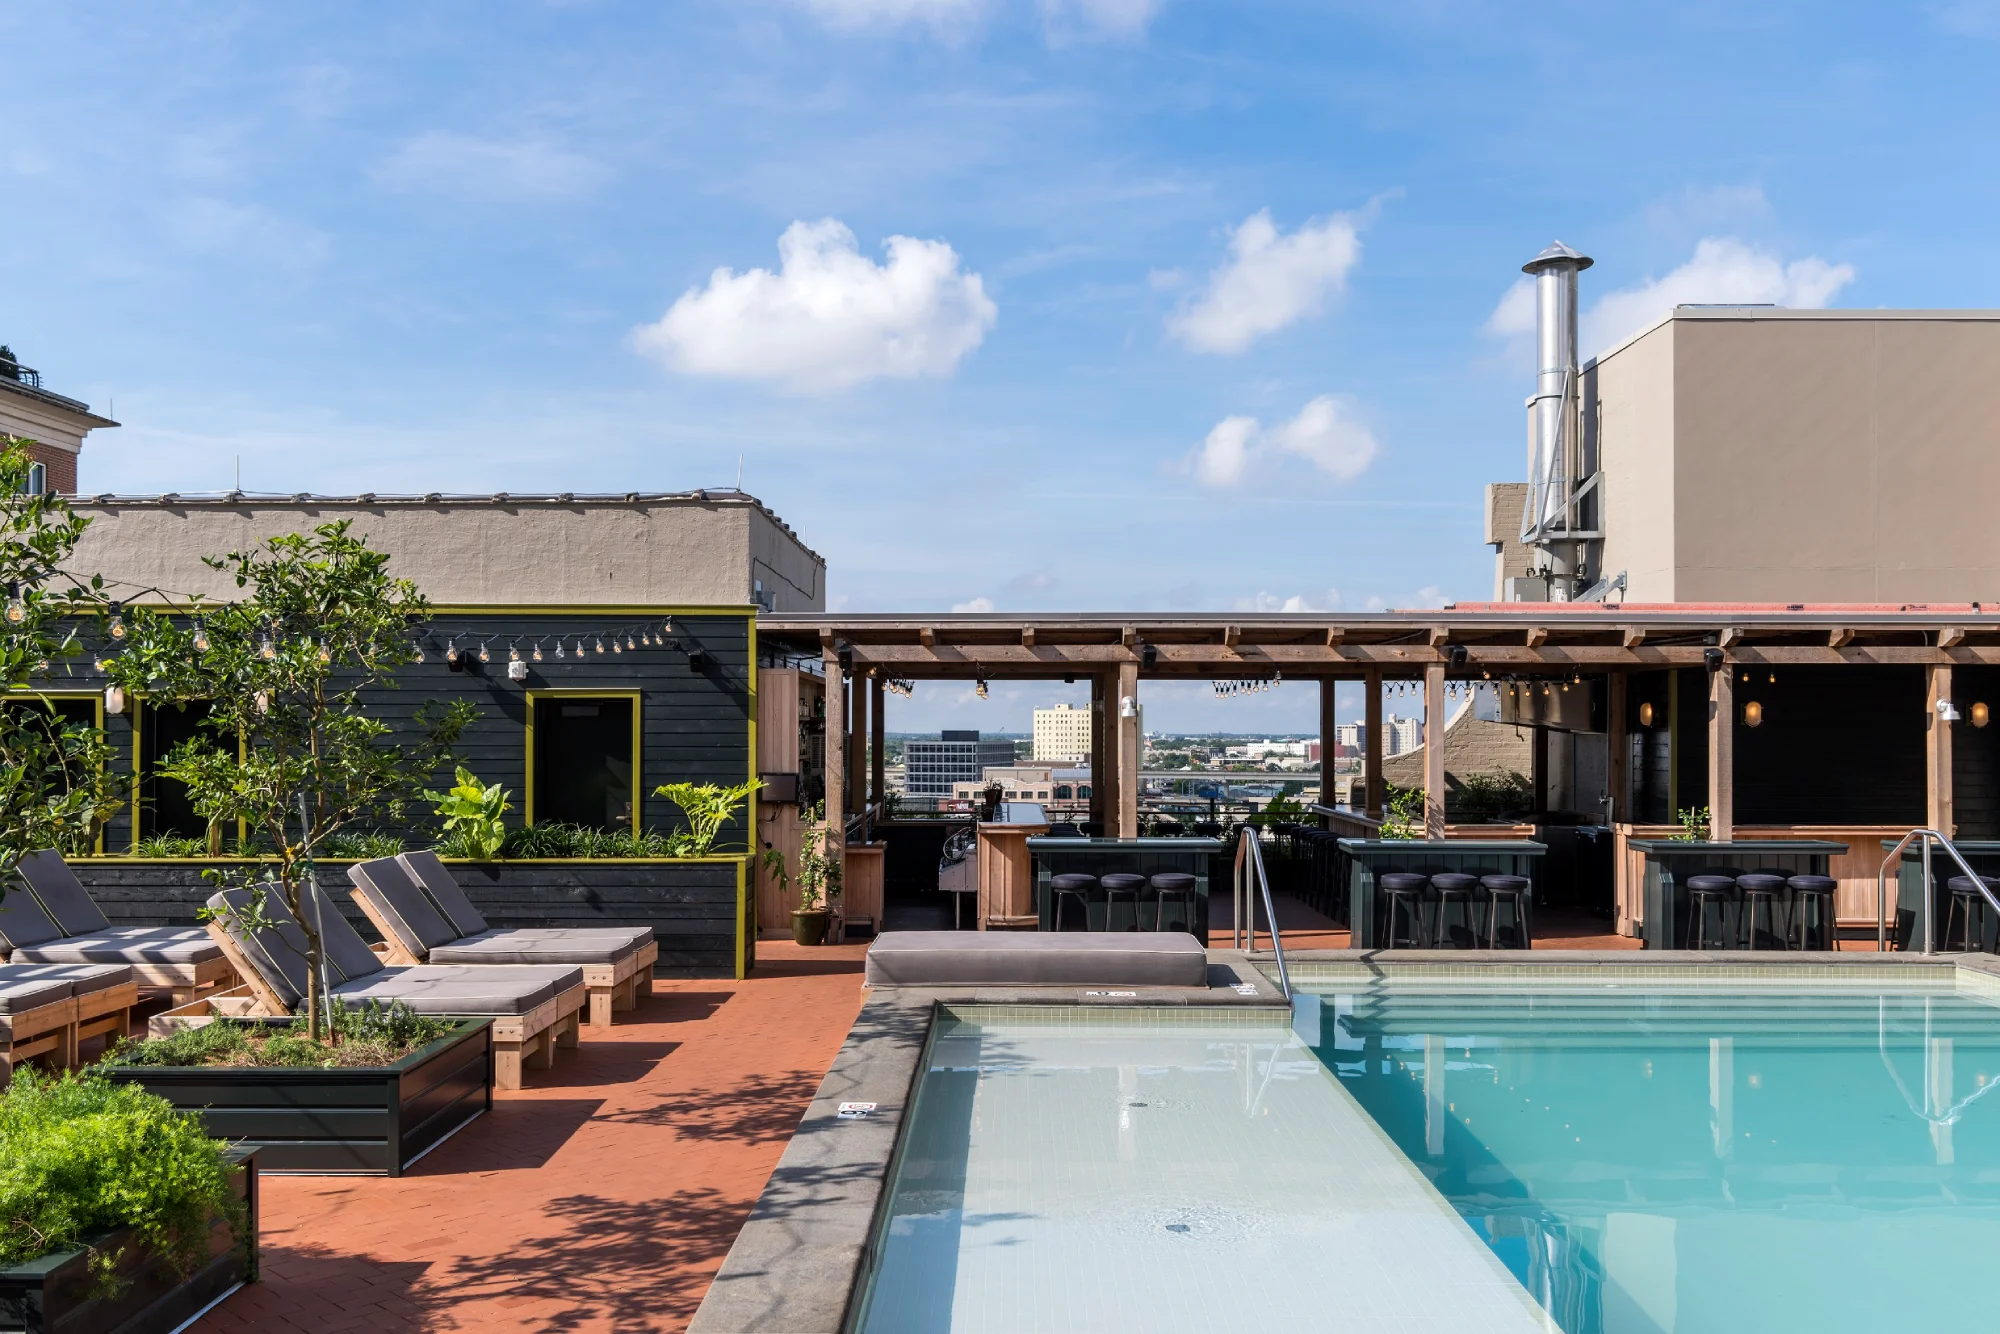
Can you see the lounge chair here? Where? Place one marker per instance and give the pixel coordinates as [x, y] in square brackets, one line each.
[46, 1009]
[424, 917]
[534, 1009]
[55, 921]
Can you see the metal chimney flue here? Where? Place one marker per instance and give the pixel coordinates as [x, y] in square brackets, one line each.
[1554, 448]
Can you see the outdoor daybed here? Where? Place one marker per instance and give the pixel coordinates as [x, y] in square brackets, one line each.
[55, 921]
[1037, 959]
[534, 1009]
[48, 1008]
[425, 917]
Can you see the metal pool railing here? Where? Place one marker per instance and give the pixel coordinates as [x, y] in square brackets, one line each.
[1928, 836]
[1249, 868]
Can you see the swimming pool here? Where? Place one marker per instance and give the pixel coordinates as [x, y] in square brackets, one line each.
[1652, 1159]
[1629, 1158]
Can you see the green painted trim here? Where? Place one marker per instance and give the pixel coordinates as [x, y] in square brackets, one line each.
[713, 859]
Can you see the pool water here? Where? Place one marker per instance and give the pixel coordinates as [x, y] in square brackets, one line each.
[1652, 1162]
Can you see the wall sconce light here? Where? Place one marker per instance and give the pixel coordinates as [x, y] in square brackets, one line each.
[1947, 711]
[1128, 707]
[114, 699]
[1753, 714]
[1646, 714]
[697, 662]
[1711, 658]
[1980, 716]
[1149, 656]
[517, 671]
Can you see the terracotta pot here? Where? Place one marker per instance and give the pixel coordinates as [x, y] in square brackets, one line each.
[809, 926]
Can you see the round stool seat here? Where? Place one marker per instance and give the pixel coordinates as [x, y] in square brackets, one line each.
[1812, 909]
[1454, 882]
[1758, 882]
[1069, 883]
[1507, 889]
[1812, 884]
[1172, 882]
[1504, 884]
[1401, 882]
[1453, 886]
[1176, 885]
[1711, 884]
[1965, 888]
[1122, 882]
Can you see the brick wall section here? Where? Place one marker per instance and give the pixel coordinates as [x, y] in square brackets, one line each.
[61, 465]
[1471, 746]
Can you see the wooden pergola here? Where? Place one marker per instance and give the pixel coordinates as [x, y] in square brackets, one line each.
[1115, 651]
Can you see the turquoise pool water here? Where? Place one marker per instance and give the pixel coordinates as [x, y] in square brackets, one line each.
[1651, 1161]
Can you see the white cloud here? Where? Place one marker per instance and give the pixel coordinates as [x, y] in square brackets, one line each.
[1269, 281]
[1323, 434]
[1063, 19]
[975, 605]
[1325, 600]
[1722, 271]
[828, 317]
[891, 13]
[489, 171]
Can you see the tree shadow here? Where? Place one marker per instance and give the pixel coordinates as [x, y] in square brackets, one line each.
[675, 1007]
[513, 1136]
[757, 1109]
[599, 1061]
[807, 967]
[309, 1277]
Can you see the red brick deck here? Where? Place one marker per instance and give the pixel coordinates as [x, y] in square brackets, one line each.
[601, 1197]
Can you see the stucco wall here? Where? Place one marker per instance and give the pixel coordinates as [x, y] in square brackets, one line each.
[1630, 413]
[671, 551]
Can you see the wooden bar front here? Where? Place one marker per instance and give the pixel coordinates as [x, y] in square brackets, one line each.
[1007, 876]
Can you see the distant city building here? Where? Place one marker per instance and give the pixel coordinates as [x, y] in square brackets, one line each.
[1061, 733]
[932, 768]
[1064, 791]
[1350, 737]
[1400, 735]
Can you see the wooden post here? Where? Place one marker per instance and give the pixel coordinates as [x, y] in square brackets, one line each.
[1371, 747]
[877, 789]
[857, 743]
[1129, 743]
[836, 755]
[1329, 740]
[1434, 721]
[1938, 806]
[1722, 754]
[1102, 780]
[1618, 748]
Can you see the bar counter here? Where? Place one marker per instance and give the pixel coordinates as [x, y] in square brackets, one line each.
[1201, 858]
[1669, 863]
[1368, 858]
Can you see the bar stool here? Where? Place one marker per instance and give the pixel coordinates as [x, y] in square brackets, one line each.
[1514, 889]
[1069, 886]
[1761, 887]
[1815, 892]
[1965, 893]
[1121, 882]
[1172, 884]
[1450, 885]
[1407, 889]
[1704, 890]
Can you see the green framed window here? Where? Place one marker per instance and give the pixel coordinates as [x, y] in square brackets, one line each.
[583, 758]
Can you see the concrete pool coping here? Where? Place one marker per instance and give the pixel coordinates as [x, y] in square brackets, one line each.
[802, 1259]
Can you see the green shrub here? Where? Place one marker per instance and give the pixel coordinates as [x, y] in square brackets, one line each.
[707, 806]
[473, 816]
[371, 1036]
[555, 839]
[360, 845]
[80, 1154]
[172, 845]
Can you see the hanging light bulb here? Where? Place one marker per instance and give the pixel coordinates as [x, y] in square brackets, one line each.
[579, 646]
[979, 689]
[201, 638]
[628, 642]
[263, 701]
[513, 653]
[114, 699]
[451, 653]
[600, 646]
[559, 651]
[417, 652]
[538, 649]
[616, 647]
[42, 666]
[484, 656]
[17, 610]
[267, 650]
[325, 653]
[117, 626]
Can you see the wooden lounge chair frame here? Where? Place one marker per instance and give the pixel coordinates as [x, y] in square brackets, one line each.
[612, 986]
[58, 1029]
[519, 1040]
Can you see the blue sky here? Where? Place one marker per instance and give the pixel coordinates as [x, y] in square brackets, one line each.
[1199, 306]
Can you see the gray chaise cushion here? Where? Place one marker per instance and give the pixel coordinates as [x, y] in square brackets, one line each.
[485, 990]
[24, 988]
[62, 894]
[395, 894]
[22, 921]
[82, 978]
[127, 944]
[277, 952]
[552, 945]
[1032, 959]
[443, 887]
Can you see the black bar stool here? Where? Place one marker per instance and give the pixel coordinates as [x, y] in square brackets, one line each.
[1814, 892]
[1122, 882]
[1965, 894]
[1766, 888]
[1449, 886]
[1513, 890]
[1407, 890]
[1069, 886]
[1176, 885]
[1703, 890]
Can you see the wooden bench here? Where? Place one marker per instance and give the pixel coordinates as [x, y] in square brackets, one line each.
[59, 1028]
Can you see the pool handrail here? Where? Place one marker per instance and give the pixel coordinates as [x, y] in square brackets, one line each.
[1930, 907]
[1256, 870]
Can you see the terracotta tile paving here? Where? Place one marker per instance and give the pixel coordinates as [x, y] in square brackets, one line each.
[601, 1197]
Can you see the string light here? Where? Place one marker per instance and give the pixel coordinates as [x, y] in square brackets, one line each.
[117, 620]
[579, 646]
[600, 646]
[451, 653]
[267, 650]
[17, 610]
[979, 689]
[325, 653]
[417, 652]
[201, 640]
[538, 649]
[484, 656]
[616, 647]
[513, 653]
[559, 651]
[628, 642]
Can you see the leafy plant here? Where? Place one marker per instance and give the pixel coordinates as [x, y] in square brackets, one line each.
[1694, 824]
[171, 845]
[1482, 796]
[1404, 818]
[80, 1154]
[708, 807]
[556, 839]
[472, 814]
[372, 1036]
[362, 845]
[820, 852]
[287, 747]
[57, 785]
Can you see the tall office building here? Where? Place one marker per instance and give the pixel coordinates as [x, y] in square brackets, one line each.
[1062, 733]
[931, 767]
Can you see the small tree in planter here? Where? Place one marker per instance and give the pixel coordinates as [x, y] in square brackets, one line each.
[818, 878]
[284, 671]
[56, 785]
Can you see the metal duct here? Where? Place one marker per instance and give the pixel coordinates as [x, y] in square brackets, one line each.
[1552, 462]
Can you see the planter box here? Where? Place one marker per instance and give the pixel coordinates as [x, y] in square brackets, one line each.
[697, 907]
[55, 1294]
[374, 1121]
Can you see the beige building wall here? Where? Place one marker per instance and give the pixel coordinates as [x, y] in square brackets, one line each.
[692, 550]
[1801, 456]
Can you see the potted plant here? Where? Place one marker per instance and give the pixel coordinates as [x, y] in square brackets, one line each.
[818, 879]
[381, 1089]
[117, 1211]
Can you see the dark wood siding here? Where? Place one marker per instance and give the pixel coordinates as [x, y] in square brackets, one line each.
[1975, 753]
[1838, 745]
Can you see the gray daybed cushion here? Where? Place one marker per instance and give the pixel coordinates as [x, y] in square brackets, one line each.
[22, 921]
[83, 977]
[1037, 959]
[63, 896]
[387, 886]
[125, 944]
[22, 988]
[437, 880]
[546, 945]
